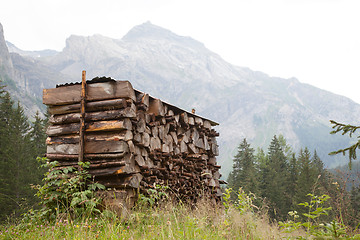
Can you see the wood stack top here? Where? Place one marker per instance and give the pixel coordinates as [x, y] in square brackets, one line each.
[100, 89]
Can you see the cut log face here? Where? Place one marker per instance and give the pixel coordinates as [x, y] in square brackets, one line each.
[134, 141]
[156, 107]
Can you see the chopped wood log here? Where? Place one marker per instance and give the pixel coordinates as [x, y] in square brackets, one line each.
[183, 147]
[140, 160]
[207, 124]
[137, 138]
[194, 135]
[141, 125]
[89, 156]
[90, 147]
[155, 131]
[114, 125]
[161, 132]
[91, 137]
[184, 118]
[90, 106]
[170, 113]
[174, 136]
[199, 143]
[96, 91]
[131, 146]
[145, 139]
[165, 148]
[199, 121]
[191, 121]
[142, 98]
[156, 107]
[94, 164]
[155, 143]
[93, 116]
[192, 148]
[120, 181]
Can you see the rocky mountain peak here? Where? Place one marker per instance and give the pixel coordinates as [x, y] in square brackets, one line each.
[148, 31]
[5, 59]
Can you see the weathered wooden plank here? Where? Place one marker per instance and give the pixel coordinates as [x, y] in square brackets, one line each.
[94, 163]
[113, 125]
[96, 91]
[92, 106]
[90, 147]
[90, 137]
[88, 156]
[82, 118]
[93, 116]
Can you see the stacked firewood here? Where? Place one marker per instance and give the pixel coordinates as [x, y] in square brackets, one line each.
[134, 141]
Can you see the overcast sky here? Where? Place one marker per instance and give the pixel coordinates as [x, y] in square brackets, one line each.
[316, 41]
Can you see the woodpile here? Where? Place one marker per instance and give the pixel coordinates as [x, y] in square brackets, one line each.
[132, 140]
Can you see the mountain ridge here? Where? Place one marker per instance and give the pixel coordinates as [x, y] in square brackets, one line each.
[183, 72]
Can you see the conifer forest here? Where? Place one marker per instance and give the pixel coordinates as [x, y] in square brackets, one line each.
[292, 189]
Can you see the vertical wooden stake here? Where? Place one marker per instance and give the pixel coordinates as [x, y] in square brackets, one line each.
[82, 118]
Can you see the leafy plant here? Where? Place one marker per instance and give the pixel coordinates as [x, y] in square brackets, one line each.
[313, 227]
[153, 196]
[243, 203]
[67, 190]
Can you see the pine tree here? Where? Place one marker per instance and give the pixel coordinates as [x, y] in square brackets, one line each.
[37, 138]
[244, 172]
[307, 177]
[16, 167]
[293, 178]
[6, 197]
[274, 181]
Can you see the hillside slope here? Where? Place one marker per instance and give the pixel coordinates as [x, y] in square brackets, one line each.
[182, 71]
[25, 77]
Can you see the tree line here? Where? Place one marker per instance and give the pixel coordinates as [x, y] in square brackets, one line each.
[281, 179]
[21, 142]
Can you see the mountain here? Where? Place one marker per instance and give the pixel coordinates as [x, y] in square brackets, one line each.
[182, 71]
[34, 54]
[25, 77]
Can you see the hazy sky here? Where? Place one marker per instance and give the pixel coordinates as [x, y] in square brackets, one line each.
[316, 41]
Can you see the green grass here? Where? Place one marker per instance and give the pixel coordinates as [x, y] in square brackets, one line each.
[167, 222]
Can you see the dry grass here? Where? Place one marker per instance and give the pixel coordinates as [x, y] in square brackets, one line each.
[170, 221]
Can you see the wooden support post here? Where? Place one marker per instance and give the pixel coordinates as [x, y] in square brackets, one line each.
[82, 118]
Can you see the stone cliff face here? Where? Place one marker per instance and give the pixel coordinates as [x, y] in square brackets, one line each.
[5, 60]
[182, 71]
[25, 77]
